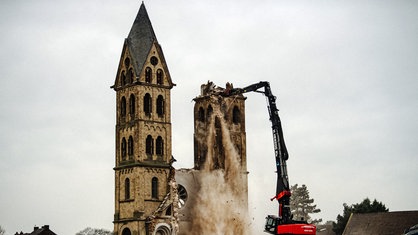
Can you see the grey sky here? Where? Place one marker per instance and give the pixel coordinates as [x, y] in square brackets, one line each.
[344, 72]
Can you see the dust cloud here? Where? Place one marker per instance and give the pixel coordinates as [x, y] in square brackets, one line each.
[221, 203]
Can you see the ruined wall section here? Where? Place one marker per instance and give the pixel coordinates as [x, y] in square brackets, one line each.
[233, 111]
[216, 199]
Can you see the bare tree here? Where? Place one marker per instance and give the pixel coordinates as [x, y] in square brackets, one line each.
[2, 231]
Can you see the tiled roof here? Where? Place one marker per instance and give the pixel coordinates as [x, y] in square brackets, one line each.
[382, 223]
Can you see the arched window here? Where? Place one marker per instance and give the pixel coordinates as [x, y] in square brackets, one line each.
[154, 190]
[201, 115]
[160, 77]
[123, 148]
[132, 105]
[217, 122]
[130, 76]
[127, 189]
[160, 105]
[159, 148]
[236, 115]
[126, 231]
[149, 145]
[130, 146]
[123, 106]
[209, 112]
[148, 75]
[147, 104]
[127, 62]
[123, 78]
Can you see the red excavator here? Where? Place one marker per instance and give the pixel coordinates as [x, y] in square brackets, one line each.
[283, 223]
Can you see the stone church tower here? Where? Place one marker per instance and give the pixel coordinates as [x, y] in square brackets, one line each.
[143, 171]
[193, 189]
[233, 109]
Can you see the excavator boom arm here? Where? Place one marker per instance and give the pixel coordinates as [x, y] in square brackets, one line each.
[280, 149]
[283, 224]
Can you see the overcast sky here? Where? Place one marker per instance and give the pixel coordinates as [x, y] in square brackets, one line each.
[344, 72]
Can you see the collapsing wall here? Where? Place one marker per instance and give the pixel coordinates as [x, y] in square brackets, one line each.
[217, 201]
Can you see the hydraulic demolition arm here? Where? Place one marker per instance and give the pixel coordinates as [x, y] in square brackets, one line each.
[283, 223]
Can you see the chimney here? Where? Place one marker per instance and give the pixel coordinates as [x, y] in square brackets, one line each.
[35, 228]
[45, 227]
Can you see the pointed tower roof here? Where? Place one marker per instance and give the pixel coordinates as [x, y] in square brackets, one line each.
[138, 45]
[141, 38]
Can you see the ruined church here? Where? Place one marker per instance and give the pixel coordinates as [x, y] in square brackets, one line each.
[151, 196]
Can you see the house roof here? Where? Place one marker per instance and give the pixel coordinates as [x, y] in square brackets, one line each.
[44, 230]
[382, 223]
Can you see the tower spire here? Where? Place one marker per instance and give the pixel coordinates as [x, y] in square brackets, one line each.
[141, 38]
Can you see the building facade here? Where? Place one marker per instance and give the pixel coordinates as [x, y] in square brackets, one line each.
[151, 197]
[144, 193]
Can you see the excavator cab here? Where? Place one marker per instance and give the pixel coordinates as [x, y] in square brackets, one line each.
[273, 226]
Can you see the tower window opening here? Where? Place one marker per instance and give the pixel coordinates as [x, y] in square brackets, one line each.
[148, 75]
[123, 106]
[127, 189]
[217, 122]
[127, 62]
[131, 76]
[130, 146]
[159, 148]
[201, 115]
[154, 189]
[154, 60]
[132, 105]
[209, 112]
[160, 77]
[160, 106]
[123, 148]
[147, 104]
[236, 115]
[149, 146]
[126, 231]
[123, 78]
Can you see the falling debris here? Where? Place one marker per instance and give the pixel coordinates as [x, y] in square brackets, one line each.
[221, 203]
